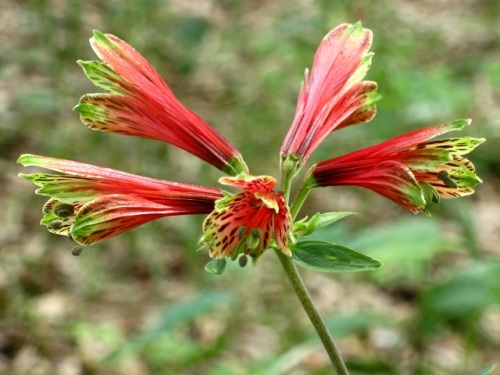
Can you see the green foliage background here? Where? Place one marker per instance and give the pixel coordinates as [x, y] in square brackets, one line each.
[141, 303]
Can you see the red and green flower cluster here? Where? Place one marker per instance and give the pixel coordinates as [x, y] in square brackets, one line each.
[90, 204]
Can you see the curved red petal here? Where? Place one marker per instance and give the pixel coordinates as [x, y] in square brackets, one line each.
[110, 215]
[332, 94]
[144, 106]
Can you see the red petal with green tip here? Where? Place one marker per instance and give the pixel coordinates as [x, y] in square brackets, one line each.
[454, 179]
[142, 105]
[395, 168]
[93, 203]
[81, 181]
[333, 95]
[110, 215]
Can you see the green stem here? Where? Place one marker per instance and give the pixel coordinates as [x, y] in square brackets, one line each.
[301, 196]
[290, 165]
[310, 309]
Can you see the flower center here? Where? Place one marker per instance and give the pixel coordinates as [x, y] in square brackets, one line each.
[248, 222]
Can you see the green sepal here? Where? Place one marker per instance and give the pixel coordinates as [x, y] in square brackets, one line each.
[329, 257]
[216, 266]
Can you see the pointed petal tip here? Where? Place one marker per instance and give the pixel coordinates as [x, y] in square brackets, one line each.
[98, 35]
[27, 160]
[21, 158]
[460, 123]
[24, 176]
[100, 39]
[479, 140]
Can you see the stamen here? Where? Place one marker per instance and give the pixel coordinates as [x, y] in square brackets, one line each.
[77, 250]
[253, 240]
[56, 224]
[444, 176]
[243, 260]
[241, 231]
[257, 232]
[64, 210]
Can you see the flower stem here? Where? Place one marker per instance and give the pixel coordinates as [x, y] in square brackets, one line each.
[310, 309]
[301, 196]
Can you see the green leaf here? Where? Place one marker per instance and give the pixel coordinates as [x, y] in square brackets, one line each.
[330, 257]
[216, 266]
[330, 217]
[486, 370]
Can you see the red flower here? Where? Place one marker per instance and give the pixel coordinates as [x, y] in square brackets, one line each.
[91, 204]
[141, 104]
[333, 96]
[248, 222]
[409, 169]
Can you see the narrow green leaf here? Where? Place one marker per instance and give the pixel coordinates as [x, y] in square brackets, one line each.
[330, 257]
[216, 266]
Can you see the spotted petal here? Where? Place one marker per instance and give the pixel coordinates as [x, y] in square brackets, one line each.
[110, 215]
[247, 222]
[411, 169]
[91, 203]
[453, 179]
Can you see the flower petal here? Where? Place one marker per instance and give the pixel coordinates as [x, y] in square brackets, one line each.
[249, 221]
[454, 179]
[335, 96]
[250, 183]
[110, 215]
[399, 145]
[389, 178]
[428, 155]
[83, 182]
[142, 105]
[91, 203]
[55, 221]
[409, 169]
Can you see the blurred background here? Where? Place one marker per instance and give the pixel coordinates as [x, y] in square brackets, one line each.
[141, 303]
